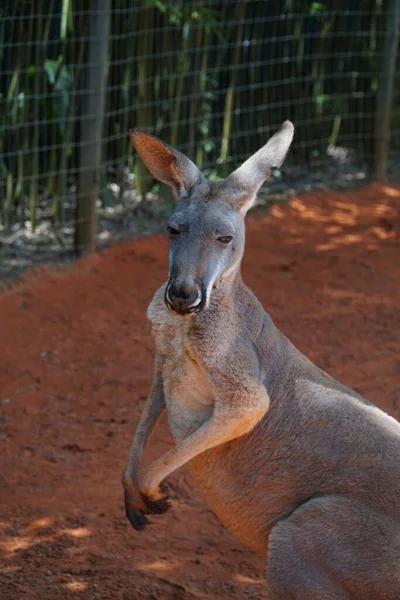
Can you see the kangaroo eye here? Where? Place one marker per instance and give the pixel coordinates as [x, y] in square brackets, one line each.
[172, 231]
[225, 239]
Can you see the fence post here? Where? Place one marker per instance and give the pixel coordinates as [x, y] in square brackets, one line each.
[92, 117]
[385, 90]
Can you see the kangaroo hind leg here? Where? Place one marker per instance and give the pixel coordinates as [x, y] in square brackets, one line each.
[336, 549]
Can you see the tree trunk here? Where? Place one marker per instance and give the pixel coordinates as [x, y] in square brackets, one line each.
[92, 116]
[385, 90]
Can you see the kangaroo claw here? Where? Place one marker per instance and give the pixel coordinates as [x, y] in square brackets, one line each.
[157, 507]
[137, 519]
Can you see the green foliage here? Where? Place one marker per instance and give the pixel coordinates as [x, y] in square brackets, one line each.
[61, 81]
[317, 8]
[211, 78]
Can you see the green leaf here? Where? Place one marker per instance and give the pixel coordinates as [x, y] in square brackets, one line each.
[321, 100]
[157, 4]
[208, 145]
[316, 7]
[61, 81]
[51, 68]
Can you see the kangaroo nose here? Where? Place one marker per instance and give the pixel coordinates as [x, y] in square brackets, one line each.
[183, 297]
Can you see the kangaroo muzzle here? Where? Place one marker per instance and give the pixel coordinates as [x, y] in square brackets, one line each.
[183, 299]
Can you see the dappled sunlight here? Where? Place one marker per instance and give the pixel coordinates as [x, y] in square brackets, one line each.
[332, 229]
[343, 214]
[343, 219]
[156, 565]
[21, 537]
[382, 210]
[39, 523]
[76, 586]
[347, 206]
[294, 241]
[15, 544]
[391, 191]
[45, 541]
[248, 580]
[78, 532]
[344, 222]
[300, 206]
[381, 233]
[277, 211]
[344, 240]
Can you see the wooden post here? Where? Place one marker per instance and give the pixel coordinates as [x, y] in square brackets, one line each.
[92, 113]
[385, 90]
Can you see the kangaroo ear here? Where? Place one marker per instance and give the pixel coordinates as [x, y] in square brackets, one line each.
[244, 183]
[166, 164]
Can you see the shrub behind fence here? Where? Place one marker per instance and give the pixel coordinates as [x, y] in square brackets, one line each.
[213, 78]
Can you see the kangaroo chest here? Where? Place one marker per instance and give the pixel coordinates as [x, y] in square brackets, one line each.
[188, 393]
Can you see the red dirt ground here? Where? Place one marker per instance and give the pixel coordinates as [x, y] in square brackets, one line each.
[76, 365]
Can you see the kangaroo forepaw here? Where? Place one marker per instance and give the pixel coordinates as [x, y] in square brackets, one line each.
[157, 507]
[137, 519]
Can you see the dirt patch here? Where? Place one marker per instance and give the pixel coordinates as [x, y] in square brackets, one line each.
[76, 364]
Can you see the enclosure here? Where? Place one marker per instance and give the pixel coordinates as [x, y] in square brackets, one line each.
[214, 79]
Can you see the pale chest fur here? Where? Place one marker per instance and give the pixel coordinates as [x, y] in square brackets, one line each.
[188, 392]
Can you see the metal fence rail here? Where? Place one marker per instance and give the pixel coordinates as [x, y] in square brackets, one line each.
[213, 78]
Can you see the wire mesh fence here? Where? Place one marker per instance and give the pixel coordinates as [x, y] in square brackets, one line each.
[213, 78]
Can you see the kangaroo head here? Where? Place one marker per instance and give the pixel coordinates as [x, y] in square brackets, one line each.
[206, 230]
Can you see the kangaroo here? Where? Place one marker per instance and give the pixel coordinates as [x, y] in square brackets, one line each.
[297, 466]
